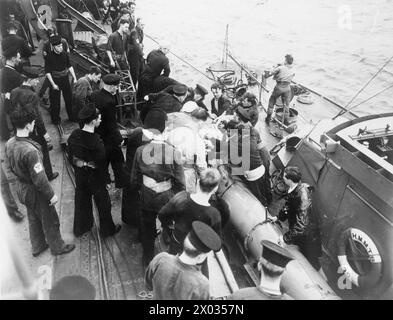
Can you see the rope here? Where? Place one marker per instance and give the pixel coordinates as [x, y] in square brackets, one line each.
[181, 59]
[367, 83]
[364, 101]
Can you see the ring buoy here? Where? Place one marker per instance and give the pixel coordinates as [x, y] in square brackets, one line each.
[305, 99]
[372, 277]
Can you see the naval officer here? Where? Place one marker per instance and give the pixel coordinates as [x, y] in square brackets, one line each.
[272, 265]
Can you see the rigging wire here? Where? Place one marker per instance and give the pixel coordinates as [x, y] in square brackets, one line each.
[365, 85]
[373, 96]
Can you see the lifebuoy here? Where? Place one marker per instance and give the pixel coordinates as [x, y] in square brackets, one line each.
[372, 277]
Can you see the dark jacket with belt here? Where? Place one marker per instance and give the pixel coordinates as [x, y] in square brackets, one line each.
[24, 159]
[156, 160]
[108, 130]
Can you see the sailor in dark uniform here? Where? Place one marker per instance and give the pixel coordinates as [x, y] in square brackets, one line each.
[157, 63]
[179, 277]
[57, 67]
[23, 47]
[156, 172]
[9, 79]
[106, 101]
[197, 95]
[25, 96]
[88, 155]
[24, 160]
[272, 265]
[166, 101]
[116, 47]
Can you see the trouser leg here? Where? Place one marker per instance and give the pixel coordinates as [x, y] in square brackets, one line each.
[272, 100]
[148, 236]
[103, 203]
[37, 236]
[116, 159]
[83, 213]
[130, 211]
[45, 154]
[45, 86]
[65, 87]
[6, 193]
[54, 99]
[50, 224]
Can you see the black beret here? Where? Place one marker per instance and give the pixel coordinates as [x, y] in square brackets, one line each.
[73, 288]
[55, 40]
[203, 237]
[32, 72]
[201, 90]
[275, 254]
[111, 79]
[180, 89]
[87, 111]
[156, 119]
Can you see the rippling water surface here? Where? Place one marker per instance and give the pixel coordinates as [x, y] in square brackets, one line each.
[337, 45]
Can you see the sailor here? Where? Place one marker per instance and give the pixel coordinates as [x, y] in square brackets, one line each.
[166, 101]
[88, 155]
[139, 29]
[134, 57]
[116, 47]
[9, 79]
[255, 159]
[303, 226]
[83, 89]
[12, 39]
[26, 96]
[106, 101]
[185, 208]
[179, 277]
[219, 104]
[187, 140]
[24, 160]
[283, 74]
[156, 172]
[131, 207]
[157, 63]
[57, 67]
[47, 48]
[197, 95]
[272, 265]
[248, 105]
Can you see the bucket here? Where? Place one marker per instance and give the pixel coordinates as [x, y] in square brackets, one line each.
[292, 143]
[292, 114]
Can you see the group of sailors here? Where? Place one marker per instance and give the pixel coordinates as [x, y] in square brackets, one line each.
[167, 172]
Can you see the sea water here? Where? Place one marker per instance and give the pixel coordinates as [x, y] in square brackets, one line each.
[337, 45]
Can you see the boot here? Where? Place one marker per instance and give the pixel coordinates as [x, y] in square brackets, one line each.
[268, 118]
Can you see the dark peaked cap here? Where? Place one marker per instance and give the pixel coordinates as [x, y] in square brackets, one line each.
[201, 90]
[180, 89]
[275, 254]
[111, 79]
[204, 238]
